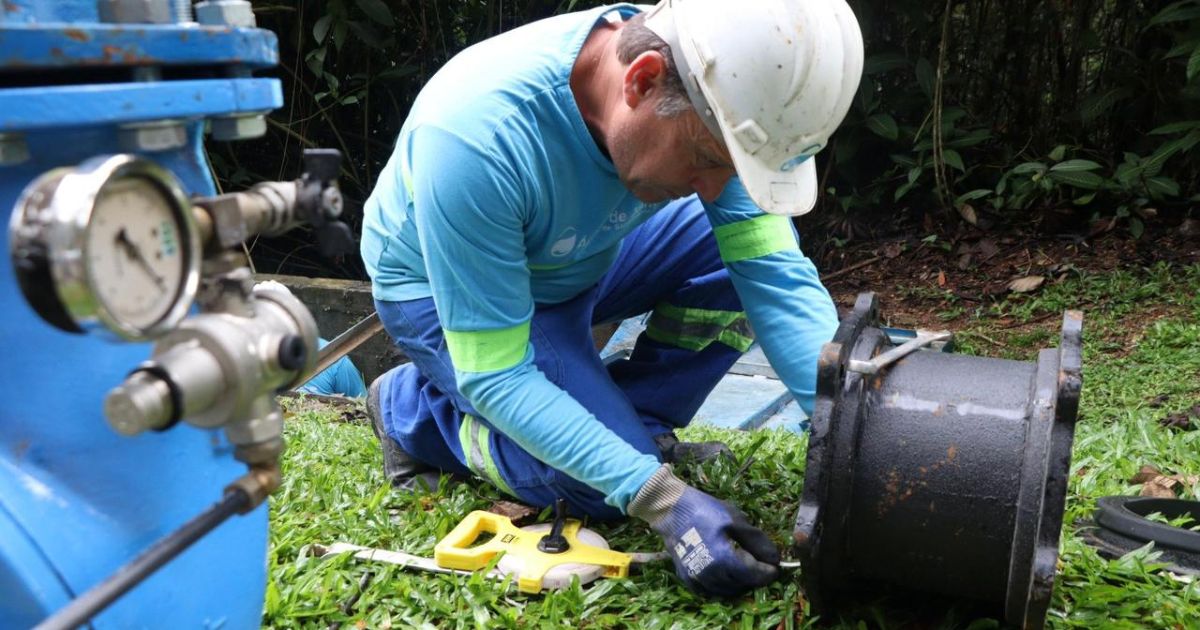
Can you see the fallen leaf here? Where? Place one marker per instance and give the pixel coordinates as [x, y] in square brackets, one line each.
[941, 278]
[986, 248]
[518, 513]
[1159, 487]
[1177, 421]
[1027, 284]
[1145, 474]
[1156, 484]
[1100, 226]
[964, 262]
[968, 214]
[1182, 420]
[1190, 227]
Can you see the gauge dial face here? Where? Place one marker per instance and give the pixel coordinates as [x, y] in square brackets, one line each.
[135, 260]
[108, 246]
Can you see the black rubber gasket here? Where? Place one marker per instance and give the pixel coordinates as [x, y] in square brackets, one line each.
[173, 389]
[1127, 516]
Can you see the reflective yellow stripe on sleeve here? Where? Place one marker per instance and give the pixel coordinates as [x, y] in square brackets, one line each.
[488, 350]
[754, 238]
[476, 445]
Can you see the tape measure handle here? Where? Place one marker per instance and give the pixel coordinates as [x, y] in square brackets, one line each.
[454, 551]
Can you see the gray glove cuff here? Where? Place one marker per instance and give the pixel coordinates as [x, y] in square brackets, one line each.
[660, 492]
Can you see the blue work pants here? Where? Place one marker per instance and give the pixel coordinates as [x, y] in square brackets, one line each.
[671, 259]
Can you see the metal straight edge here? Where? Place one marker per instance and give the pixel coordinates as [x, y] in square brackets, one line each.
[399, 558]
[344, 344]
[923, 338]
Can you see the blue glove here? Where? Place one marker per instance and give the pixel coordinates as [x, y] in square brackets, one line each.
[715, 549]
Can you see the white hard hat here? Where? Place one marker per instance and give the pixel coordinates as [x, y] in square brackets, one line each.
[772, 79]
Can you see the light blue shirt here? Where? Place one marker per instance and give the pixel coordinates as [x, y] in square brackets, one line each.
[339, 379]
[497, 198]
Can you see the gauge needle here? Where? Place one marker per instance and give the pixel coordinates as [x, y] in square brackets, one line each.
[135, 252]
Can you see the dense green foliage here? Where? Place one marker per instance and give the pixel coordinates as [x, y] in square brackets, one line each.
[1014, 108]
[1018, 106]
[1137, 370]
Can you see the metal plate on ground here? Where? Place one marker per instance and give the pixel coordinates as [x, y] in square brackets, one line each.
[750, 396]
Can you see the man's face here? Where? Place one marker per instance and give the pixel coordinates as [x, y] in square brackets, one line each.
[659, 159]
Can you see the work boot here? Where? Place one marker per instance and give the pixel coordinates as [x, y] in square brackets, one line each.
[403, 471]
[674, 451]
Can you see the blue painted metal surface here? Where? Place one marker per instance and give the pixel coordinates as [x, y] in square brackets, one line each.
[29, 11]
[68, 46]
[77, 501]
[122, 103]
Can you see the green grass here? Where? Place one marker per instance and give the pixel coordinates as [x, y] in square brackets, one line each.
[1137, 369]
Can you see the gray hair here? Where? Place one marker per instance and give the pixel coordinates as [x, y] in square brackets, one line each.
[636, 39]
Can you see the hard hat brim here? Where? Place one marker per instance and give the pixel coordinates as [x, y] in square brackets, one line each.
[787, 193]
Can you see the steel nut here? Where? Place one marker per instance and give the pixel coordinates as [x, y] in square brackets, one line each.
[136, 11]
[238, 127]
[153, 137]
[236, 13]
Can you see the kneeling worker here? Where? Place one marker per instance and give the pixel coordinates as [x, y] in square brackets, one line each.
[587, 168]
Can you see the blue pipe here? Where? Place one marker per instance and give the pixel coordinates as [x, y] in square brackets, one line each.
[77, 501]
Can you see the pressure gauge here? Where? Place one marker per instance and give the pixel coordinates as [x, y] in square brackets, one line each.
[107, 246]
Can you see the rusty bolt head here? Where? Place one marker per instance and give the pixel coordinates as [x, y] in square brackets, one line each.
[152, 137]
[136, 11]
[13, 149]
[238, 127]
[236, 13]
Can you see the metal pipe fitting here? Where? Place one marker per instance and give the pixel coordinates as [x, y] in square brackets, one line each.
[223, 370]
[258, 483]
[941, 473]
[268, 208]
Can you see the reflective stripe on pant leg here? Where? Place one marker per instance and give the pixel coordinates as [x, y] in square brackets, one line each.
[473, 436]
[696, 328]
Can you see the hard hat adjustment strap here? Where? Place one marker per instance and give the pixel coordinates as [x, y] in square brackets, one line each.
[661, 21]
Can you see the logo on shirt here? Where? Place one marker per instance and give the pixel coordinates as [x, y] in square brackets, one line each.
[621, 217]
[564, 244]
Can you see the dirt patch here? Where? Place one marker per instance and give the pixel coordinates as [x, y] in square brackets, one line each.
[937, 281]
[350, 410]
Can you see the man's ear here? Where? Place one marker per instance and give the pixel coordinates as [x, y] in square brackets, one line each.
[643, 77]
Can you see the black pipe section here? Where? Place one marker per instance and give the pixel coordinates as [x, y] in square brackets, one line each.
[83, 608]
[940, 473]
